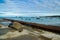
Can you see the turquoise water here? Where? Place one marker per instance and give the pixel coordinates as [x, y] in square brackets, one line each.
[40, 20]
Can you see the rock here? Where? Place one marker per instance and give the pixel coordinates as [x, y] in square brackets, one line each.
[56, 38]
[49, 35]
[14, 34]
[17, 26]
[0, 26]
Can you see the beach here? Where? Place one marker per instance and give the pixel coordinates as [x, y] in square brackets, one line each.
[28, 33]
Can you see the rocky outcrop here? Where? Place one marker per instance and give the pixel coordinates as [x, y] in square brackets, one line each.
[16, 26]
[28, 33]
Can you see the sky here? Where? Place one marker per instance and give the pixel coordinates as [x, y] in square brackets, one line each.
[29, 7]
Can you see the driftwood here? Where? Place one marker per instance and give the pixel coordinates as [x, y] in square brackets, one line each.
[40, 26]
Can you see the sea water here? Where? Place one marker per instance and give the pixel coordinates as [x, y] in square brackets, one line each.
[40, 20]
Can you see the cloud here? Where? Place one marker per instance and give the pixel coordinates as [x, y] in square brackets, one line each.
[28, 7]
[32, 6]
[37, 5]
[10, 14]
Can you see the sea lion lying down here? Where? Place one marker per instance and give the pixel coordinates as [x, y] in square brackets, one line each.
[15, 26]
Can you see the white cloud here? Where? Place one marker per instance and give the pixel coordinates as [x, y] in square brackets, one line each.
[9, 14]
[30, 8]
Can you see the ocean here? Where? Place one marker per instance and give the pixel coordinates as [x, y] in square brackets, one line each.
[40, 20]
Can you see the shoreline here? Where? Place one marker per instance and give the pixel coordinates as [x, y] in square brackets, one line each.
[38, 26]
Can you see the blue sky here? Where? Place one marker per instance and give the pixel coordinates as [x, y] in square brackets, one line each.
[29, 7]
